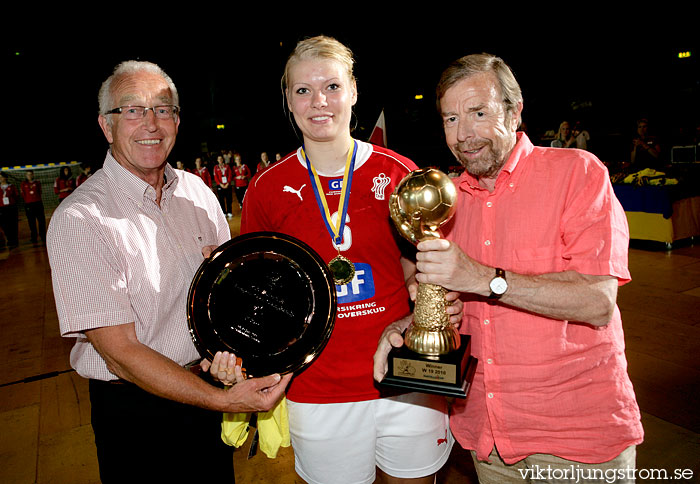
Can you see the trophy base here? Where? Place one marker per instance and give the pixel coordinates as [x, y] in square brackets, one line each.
[449, 374]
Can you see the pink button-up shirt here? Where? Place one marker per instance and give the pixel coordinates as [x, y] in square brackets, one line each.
[117, 257]
[544, 385]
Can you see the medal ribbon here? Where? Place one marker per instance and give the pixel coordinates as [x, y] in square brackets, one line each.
[336, 231]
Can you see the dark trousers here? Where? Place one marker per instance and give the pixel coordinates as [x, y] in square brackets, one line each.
[144, 438]
[240, 193]
[9, 224]
[36, 220]
[225, 198]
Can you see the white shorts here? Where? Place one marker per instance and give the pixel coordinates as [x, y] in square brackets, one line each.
[406, 436]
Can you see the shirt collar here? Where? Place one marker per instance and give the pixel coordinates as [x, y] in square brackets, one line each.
[134, 186]
[364, 151]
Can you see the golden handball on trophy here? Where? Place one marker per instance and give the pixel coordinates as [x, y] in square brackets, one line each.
[435, 357]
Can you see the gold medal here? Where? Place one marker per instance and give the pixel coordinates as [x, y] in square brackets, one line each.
[343, 270]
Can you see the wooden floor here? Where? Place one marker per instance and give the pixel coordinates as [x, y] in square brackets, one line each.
[45, 432]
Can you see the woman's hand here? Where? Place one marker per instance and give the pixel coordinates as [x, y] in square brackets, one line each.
[454, 308]
[225, 368]
[390, 338]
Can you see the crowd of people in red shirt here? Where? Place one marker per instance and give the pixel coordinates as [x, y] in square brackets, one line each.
[227, 176]
[30, 191]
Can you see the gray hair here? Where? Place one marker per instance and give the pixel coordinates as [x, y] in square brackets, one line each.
[126, 68]
[470, 65]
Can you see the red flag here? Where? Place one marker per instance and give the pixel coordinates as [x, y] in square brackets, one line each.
[378, 136]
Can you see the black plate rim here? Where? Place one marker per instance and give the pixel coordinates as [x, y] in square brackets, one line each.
[299, 355]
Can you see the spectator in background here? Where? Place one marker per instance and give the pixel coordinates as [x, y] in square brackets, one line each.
[565, 137]
[34, 206]
[264, 162]
[242, 175]
[227, 156]
[583, 137]
[201, 171]
[64, 184]
[223, 177]
[646, 150]
[87, 171]
[9, 217]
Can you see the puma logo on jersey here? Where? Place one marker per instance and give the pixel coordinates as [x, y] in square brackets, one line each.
[289, 189]
[442, 441]
[380, 183]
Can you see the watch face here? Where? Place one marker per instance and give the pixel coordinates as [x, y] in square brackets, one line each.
[498, 285]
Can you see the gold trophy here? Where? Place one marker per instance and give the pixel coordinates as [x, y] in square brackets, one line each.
[435, 358]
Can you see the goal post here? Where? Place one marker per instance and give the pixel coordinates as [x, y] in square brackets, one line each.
[46, 174]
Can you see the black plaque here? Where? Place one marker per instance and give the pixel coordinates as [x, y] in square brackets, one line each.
[449, 374]
[265, 296]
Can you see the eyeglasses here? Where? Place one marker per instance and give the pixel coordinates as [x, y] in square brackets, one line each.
[167, 111]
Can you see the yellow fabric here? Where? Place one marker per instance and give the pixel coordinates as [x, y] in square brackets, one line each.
[273, 429]
[234, 428]
[649, 176]
[663, 181]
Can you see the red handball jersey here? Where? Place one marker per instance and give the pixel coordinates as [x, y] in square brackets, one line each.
[8, 195]
[31, 191]
[281, 199]
[241, 174]
[203, 173]
[62, 184]
[223, 175]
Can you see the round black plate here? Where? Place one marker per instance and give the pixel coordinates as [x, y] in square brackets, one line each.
[265, 296]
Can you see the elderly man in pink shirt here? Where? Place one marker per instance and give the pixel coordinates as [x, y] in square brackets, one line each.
[538, 248]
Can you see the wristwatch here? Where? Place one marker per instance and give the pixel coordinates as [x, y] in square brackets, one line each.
[498, 284]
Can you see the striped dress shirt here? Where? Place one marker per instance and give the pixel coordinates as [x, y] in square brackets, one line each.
[118, 257]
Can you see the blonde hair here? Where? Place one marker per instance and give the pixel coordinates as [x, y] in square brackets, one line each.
[319, 47]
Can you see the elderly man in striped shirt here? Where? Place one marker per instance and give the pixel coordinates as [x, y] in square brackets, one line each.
[123, 249]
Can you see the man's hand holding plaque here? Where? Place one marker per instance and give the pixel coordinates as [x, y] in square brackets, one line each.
[434, 358]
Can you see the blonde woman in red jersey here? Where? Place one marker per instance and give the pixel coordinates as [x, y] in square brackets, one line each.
[343, 430]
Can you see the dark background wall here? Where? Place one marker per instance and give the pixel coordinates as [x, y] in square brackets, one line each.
[228, 72]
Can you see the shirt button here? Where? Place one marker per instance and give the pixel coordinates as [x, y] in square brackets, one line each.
[489, 204]
[486, 321]
[490, 395]
[511, 185]
[488, 242]
[489, 361]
